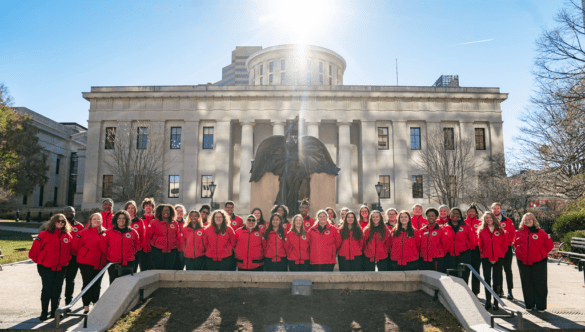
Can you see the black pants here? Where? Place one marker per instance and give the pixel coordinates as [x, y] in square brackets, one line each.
[160, 260]
[271, 266]
[321, 267]
[52, 282]
[294, 267]
[534, 283]
[452, 262]
[355, 264]
[225, 264]
[258, 269]
[70, 275]
[410, 266]
[390, 263]
[476, 262]
[115, 271]
[138, 258]
[144, 261]
[195, 263]
[368, 265]
[179, 261]
[87, 274]
[490, 269]
[437, 264]
[508, 268]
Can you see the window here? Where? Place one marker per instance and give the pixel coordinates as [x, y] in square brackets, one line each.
[208, 137]
[142, 138]
[449, 138]
[110, 137]
[282, 65]
[41, 194]
[261, 80]
[107, 185]
[320, 66]
[282, 78]
[479, 139]
[330, 81]
[173, 186]
[385, 182]
[205, 182]
[57, 166]
[383, 138]
[271, 79]
[417, 186]
[261, 69]
[175, 137]
[415, 138]
[320, 79]
[55, 195]
[24, 200]
[330, 70]
[271, 66]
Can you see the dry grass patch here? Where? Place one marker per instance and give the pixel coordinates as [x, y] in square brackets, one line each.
[138, 320]
[434, 320]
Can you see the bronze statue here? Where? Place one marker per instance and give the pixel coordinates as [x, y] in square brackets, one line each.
[293, 159]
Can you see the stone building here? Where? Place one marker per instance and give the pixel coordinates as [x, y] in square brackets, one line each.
[64, 144]
[373, 133]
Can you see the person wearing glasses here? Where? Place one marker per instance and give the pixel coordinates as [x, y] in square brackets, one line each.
[204, 214]
[219, 240]
[249, 252]
[51, 250]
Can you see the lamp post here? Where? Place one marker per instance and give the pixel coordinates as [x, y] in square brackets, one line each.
[212, 191]
[379, 191]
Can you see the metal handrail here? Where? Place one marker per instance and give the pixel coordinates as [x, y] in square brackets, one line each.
[512, 312]
[67, 309]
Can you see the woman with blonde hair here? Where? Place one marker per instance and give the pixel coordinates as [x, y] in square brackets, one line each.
[492, 244]
[376, 243]
[219, 240]
[323, 245]
[51, 250]
[532, 247]
[86, 245]
[297, 246]
[138, 225]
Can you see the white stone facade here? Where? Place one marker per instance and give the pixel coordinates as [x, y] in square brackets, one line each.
[345, 118]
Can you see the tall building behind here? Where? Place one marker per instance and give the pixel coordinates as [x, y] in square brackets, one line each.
[447, 80]
[236, 72]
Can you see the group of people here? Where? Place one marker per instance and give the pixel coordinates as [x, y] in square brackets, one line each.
[169, 239]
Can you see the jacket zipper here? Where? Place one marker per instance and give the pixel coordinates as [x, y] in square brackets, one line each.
[194, 245]
[492, 240]
[248, 255]
[300, 258]
[122, 248]
[349, 254]
[528, 247]
[59, 261]
[428, 238]
[402, 253]
[167, 237]
[275, 247]
[217, 247]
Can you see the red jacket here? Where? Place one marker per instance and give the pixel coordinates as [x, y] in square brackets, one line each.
[107, 220]
[287, 226]
[508, 226]
[442, 221]
[377, 248]
[405, 249]
[249, 251]
[52, 250]
[236, 222]
[139, 226]
[323, 246]
[363, 223]
[351, 247]
[308, 222]
[474, 223]
[492, 245]
[120, 247]
[219, 246]
[263, 227]
[419, 222]
[297, 247]
[455, 244]
[431, 242]
[193, 238]
[147, 219]
[532, 247]
[76, 227]
[274, 246]
[164, 235]
[86, 246]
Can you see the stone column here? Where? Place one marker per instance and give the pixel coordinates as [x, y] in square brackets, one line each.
[246, 155]
[402, 181]
[344, 184]
[313, 129]
[369, 163]
[190, 144]
[277, 128]
[222, 134]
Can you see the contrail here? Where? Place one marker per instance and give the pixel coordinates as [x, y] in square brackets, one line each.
[473, 42]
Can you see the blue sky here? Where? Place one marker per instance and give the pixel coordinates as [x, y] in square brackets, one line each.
[54, 51]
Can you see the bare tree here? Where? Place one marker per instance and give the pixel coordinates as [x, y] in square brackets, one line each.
[449, 165]
[135, 159]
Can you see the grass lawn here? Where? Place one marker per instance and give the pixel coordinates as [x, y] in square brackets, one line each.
[20, 224]
[15, 246]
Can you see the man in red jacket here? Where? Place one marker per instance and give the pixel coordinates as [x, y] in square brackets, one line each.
[235, 221]
[308, 222]
[72, 267]
[107, 206]
[508, 226]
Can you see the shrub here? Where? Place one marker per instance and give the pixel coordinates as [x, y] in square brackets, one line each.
[569, 222]
[10, 216]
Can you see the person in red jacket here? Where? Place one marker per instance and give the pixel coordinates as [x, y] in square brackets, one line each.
[107, 208]
[432, 253]
[193, 237]
[219, 240]
[235, 221]
[148, 208]
[260, 222]
[476, 260]
[120, 244]
[342, 213]
[283, 211]
[331, 215]
[204, 214]
[72, 267]
[405, 244]
[304, 209]
[136, 224]
[148, 216]
[249, 251]
[164, 238]
[273, 241]
[532, 247]
[180, 258]
[364, 216]
[86, 245]
[392, 215]
[350, 252]
[297, 246]
[492, 246]
[323, 245]
[508, 226]
[443, 215]
[51, 250]
[459, 240]
[418, 221]
[377, 240]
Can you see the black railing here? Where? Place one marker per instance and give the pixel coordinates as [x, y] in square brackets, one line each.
[511, 312]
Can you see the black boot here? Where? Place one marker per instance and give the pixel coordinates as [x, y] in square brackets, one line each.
[496, 305]
[68, 300]
[488, 305]
[45, 310]
[54, 306]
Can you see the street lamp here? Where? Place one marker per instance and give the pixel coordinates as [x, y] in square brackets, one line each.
[379, 191]
[212, 191]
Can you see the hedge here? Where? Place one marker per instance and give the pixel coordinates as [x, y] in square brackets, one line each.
[569, 222]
